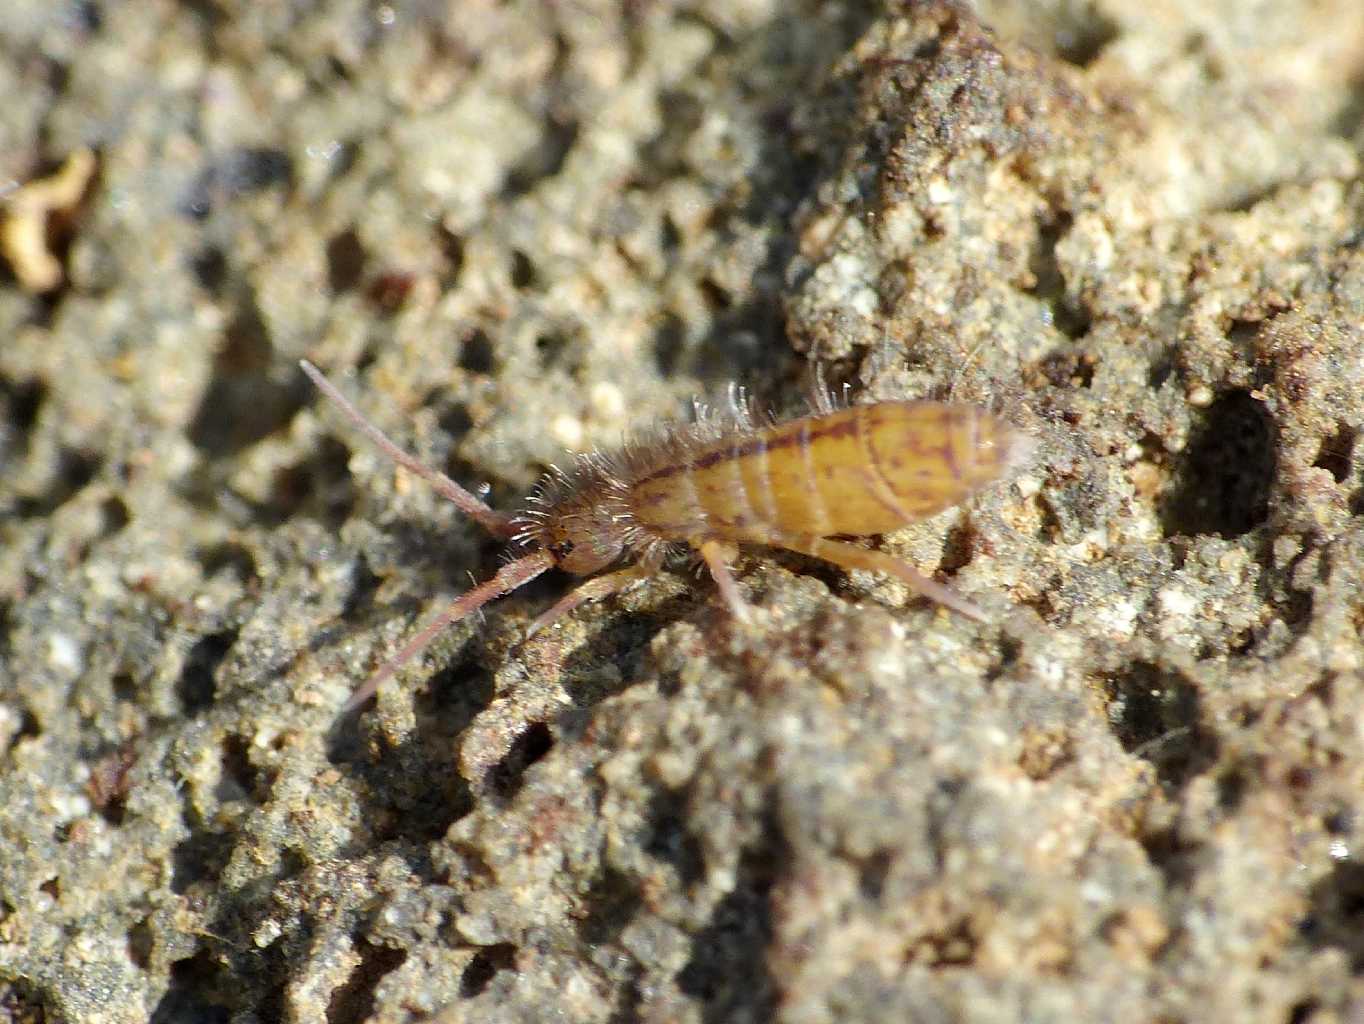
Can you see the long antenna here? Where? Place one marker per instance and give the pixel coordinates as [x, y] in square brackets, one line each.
[496, 523]
[508, 578]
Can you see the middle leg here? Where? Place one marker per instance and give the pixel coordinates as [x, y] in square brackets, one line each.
[717, 555]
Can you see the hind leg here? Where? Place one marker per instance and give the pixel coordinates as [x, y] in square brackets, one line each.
[850, 556]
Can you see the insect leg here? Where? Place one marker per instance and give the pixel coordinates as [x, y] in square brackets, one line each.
[850, 556]
[494, 522]
[597, 587]
[508, 578]
[717, 555]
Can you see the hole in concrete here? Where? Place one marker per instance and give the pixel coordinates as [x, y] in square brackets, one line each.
[1221, 485]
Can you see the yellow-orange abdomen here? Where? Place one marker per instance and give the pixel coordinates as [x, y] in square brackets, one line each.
[862, 470]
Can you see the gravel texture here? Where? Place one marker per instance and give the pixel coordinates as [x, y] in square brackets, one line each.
[510, 229]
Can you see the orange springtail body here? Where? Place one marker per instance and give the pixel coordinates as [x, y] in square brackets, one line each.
[729, 478]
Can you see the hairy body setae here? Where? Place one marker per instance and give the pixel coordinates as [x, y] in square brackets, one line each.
[731, 478]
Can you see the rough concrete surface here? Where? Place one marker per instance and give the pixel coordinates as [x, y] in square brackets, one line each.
[508, 229]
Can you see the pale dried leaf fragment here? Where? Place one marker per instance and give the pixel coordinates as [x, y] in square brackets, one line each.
[26, 215]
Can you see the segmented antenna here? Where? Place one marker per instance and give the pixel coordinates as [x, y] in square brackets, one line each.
[511, 576]
[494, 522]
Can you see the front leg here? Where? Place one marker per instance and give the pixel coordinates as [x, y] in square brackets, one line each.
[597, 587]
